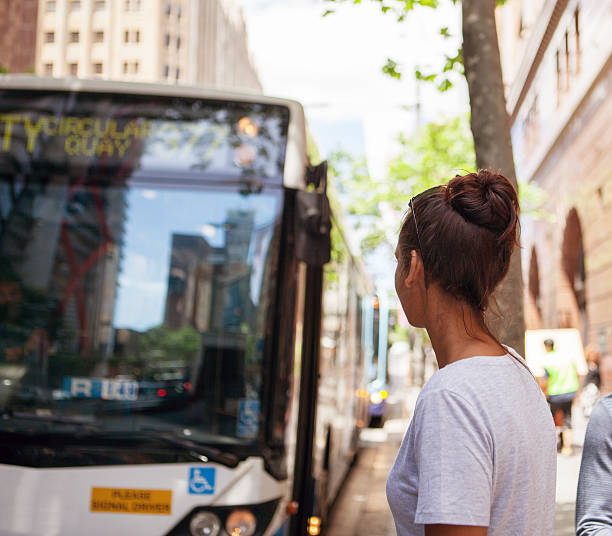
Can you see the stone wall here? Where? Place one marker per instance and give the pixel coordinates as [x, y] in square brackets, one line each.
[577, 175]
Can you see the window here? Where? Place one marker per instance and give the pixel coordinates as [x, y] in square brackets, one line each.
[98, 37]
[51, 6]
[74, 37]
[100, 5]
[136, 5]
[49, 37]
[577, 38]
[532, 127]
[168, 10]
[73, 68]
[166, 71]
[135, 67]
[125, 67]
[568, 56]
[559, 67]
[568, 69]
[178, 73]
[179, 12]
[167, 40]
[126, 37]
[97, 68]
[48, 67]
[137, 36]
[127, 5]
[178, 43]
[75, 5]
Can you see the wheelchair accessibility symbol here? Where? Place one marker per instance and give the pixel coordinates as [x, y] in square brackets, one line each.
[201, 480]
[248, 418]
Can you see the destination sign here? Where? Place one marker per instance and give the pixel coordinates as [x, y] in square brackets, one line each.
[156, 134]
[81, 135]
[106, 389]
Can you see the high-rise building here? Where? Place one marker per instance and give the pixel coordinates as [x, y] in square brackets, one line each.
[176, 41]
[18, 35]
[557, 62]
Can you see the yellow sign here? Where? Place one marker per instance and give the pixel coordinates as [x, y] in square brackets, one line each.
[131, 501]
[84, 136]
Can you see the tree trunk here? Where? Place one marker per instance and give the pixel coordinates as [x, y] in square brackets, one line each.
[493, 145]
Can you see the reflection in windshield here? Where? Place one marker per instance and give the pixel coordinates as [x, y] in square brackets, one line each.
[136, 306]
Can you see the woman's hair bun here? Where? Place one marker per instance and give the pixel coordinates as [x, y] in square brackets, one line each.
[487, 199]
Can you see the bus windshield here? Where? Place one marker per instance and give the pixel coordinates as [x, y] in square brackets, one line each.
[130, 304]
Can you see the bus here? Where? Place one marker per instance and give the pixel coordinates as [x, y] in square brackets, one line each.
[377, 384]
[177, 355]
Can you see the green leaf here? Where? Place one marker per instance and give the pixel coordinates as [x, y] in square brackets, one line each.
[424, 77]
[390, 68]
[445, 85]
[429, 3]
[328, 12]
[445, 33]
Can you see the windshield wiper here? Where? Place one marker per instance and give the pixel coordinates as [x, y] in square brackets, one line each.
[202, 452]
[56, 419]
[86, 429]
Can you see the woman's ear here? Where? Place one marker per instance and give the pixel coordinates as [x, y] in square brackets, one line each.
[416, 265]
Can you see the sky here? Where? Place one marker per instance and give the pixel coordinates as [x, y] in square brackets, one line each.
[332, 65]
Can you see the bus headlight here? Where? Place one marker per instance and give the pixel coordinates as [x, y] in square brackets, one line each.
[376, 398]
[205, 524]
[241, 523]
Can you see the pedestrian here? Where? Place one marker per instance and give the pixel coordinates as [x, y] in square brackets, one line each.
[560, 383]
[594, 497]
[592, 381]
[479, 455]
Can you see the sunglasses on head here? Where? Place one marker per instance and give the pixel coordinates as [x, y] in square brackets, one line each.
[423, 194]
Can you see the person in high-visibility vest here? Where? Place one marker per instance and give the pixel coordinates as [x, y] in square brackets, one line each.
[561, 384]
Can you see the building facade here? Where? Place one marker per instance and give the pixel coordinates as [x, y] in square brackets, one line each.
[200, 42]
[18, 35]
[557, 63]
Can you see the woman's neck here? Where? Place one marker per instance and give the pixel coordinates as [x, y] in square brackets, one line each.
[456, 330]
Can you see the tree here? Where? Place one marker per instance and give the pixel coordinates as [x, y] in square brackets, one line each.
[437, 151]
[489, 123]
[491, 130]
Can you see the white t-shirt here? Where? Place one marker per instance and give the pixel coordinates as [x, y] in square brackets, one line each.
[480, 450]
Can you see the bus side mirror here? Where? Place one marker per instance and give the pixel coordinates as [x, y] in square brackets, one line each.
[313, 223]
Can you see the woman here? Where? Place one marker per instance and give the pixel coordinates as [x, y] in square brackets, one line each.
[479, 456]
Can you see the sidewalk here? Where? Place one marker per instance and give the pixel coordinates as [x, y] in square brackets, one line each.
[362, 509]
[568, 468]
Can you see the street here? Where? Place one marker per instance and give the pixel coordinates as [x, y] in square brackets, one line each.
[362, 509]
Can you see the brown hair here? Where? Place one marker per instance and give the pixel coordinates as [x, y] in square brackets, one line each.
[467, 230]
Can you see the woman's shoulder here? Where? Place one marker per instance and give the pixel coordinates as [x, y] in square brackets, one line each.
[483, 380]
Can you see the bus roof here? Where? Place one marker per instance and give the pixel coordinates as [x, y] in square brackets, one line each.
[296, 154]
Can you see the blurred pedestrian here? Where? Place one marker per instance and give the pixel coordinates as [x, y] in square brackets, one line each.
[561, 384]
[592, 382]
[479, 455]
[594, 498]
